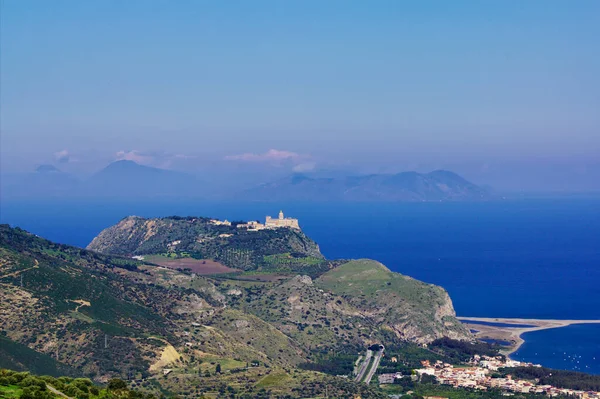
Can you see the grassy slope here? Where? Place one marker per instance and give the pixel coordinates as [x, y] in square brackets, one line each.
[371, 278]
[409, 307]
[10, 391]
[16, 356]
[312, 317]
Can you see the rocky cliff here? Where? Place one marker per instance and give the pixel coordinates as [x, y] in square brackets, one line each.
[200, 238]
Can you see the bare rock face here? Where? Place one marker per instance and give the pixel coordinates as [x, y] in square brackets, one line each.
[241, 324]
[130, 232]
[306, 280]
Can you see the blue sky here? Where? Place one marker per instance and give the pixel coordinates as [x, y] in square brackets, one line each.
[482, 87]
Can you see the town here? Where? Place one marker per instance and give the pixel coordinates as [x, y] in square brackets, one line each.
[478, 375]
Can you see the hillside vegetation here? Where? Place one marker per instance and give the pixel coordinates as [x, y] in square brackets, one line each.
[24, 385]
[199, 238]
[414, 310]
[105, 316]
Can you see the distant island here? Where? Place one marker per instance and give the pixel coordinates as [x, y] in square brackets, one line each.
[439, 185]
[126, 180]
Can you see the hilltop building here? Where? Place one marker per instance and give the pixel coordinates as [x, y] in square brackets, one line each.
[271, 223]
[281, 221]
[252, 226]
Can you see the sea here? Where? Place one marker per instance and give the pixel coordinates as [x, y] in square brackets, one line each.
[526, 258]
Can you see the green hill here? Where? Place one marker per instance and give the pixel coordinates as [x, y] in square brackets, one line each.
[199, 238]
[20, 357]
[106, 316]
[413, 310]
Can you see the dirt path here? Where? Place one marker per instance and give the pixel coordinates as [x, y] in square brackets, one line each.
[57, 392]
[15, 274]
[80, 303]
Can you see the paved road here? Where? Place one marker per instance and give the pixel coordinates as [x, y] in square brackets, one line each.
[373, 369]
[356, 364]
[363, 366]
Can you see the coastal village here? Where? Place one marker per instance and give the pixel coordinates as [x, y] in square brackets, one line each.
[478, 376]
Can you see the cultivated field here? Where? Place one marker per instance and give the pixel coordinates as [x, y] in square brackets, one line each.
[198, 266]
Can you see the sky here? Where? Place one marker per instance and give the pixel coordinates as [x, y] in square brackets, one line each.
[505, 93]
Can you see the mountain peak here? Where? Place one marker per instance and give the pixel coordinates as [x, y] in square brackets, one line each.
[126, 164]
[47, 169]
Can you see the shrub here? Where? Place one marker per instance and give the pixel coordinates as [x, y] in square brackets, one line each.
[65, 380]
[34, 392]
[18, 377]
[83, 381]
[81, 385]
[33, 381]
[116, 384]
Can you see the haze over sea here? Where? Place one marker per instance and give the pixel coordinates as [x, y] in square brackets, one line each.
[523, 258]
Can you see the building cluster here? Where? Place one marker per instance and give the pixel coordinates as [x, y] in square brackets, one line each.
[478, 376]
[271, 223]
[217, 222]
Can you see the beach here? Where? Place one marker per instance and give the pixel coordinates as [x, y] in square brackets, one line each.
[511, 329]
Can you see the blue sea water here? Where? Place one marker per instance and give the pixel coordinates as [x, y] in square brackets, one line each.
[575, 347]
[526, 258]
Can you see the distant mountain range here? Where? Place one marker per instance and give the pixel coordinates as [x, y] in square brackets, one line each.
[120, 179]
[129, 180]
[46, 182]
[439, 185]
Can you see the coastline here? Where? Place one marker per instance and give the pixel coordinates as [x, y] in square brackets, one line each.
[505, 332]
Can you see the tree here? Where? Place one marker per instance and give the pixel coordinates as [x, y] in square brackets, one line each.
[428, 379]
[116, 384]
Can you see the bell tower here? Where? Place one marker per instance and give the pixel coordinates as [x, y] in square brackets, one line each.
[280, 215]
